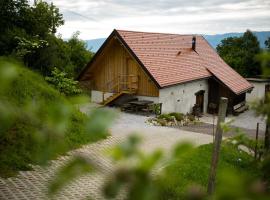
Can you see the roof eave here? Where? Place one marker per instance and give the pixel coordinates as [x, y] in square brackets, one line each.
[184, 82]
[249, 89]
[236, 93]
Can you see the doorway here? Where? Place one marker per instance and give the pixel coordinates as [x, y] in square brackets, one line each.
[200, 100]
[131, 74]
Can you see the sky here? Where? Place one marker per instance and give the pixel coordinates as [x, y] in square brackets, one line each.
[98, 18]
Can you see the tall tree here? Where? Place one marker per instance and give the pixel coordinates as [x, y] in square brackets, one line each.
[28, 33]
[267, 44]
[79, 55]
[240, 53]
[231, 52]
[251, 48]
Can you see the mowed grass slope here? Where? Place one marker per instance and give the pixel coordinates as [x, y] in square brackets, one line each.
[39, 112]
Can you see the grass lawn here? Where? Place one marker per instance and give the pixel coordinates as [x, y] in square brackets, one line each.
[28, 94]
[193, 169]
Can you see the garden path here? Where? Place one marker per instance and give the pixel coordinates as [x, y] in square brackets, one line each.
[33, 184]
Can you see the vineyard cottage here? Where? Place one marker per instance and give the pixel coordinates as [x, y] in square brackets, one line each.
[178, 71]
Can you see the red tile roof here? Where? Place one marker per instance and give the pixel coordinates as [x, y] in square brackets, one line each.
[170, 59]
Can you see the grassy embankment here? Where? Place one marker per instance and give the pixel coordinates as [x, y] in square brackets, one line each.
[34, 113]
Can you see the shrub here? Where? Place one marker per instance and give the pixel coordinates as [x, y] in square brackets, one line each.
[191, 117]
[178, 116]
[63, 84]
[162, 122]
[167, 117]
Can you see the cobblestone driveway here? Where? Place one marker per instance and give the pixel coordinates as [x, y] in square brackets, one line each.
[33, 184]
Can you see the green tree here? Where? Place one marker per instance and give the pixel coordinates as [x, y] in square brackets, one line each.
[251, 47]
[18, 18]
[230, 50]
[28, 33]
[267, 44]
[240, 54]
[46, 13]
[55, 54]
[11, 19]
[69, 56]
[79, 55]
[63, 84]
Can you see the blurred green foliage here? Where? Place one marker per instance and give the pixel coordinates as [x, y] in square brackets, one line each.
[69, 172]
[37, 123]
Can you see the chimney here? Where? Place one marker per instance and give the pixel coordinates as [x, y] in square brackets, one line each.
[194, 43]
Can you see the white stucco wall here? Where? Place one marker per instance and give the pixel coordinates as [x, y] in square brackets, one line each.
[181, 98]
[178, 98]
[258, 91]
[96, 96]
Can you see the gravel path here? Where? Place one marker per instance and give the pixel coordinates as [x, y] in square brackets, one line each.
[33, 184]
[247, 120]
[208, 129]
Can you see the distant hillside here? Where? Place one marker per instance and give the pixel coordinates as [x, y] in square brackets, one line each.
[94, 44]
[214, 40]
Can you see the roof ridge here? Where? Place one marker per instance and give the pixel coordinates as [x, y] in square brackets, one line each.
[159, 33]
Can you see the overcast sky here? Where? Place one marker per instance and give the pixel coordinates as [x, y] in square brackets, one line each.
[97, 18]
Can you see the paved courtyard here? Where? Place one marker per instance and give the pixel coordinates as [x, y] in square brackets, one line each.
[247, 120]
[33, 184]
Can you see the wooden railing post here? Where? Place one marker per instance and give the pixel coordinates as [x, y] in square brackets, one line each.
[217, 144]
[256, 144]
[129, 83]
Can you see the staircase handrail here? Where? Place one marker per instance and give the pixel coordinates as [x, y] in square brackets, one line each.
[116, 82]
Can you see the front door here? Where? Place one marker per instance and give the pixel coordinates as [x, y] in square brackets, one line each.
[200, 100]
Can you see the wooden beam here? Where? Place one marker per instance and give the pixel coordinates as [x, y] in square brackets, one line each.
[217, 144]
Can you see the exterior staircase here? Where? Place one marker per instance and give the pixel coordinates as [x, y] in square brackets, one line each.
[123, 84]
[114, 97]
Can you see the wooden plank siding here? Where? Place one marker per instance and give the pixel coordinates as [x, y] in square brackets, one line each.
[218, 90]
[113, 61]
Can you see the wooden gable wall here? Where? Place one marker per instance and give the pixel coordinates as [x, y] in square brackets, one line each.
[115, 60]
